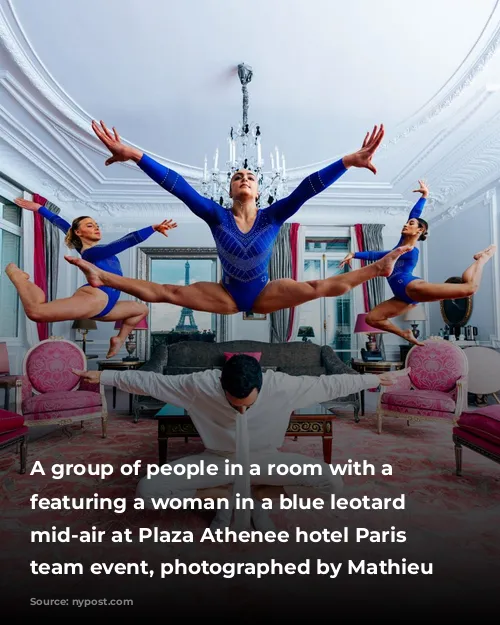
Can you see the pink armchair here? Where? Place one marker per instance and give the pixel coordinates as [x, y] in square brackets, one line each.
[435, 388]
[49, 393]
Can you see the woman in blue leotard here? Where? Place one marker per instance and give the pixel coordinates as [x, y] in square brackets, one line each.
[409, 290]
[88, 302]
[244, 236]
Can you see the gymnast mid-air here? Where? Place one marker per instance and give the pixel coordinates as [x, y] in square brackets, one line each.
[88, 302]
[409, 290]
[244, 237]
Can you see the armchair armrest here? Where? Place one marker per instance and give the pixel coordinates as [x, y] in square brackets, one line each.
[461, 401]
[24, 391]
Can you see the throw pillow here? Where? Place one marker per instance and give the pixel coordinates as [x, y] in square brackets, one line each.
[256, 355]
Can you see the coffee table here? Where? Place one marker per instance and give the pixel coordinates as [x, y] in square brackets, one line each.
[316, 420]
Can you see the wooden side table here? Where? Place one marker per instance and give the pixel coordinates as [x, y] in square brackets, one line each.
[376, 367]
[120, 365]
[174, 422]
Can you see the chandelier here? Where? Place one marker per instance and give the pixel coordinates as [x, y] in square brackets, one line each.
[245, 152]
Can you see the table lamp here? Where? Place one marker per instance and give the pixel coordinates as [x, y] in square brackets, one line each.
[83, 326]
[413, 316]
[131, 343]
[306, 332]
[363, 328]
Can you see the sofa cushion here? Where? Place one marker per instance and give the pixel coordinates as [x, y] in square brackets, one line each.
[256, 355]
[424, 400]
[10, 421]
[70, 415]
[173, 370]
[61, 401]
[479, 441]
[298, 371]
[484, 422]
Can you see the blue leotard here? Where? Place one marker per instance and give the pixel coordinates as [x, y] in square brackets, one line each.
[244, 256]
[103, 256]
[402, 274]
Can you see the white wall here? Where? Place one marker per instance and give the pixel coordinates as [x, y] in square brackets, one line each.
[452, 246]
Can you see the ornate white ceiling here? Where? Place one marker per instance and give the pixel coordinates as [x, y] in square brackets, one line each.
[324, 72]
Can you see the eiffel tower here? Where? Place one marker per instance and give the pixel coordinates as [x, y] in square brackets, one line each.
[186, 320]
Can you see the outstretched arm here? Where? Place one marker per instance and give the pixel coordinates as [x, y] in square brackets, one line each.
[418, 209]
[59, 222]
[371, 255]
[317, 182]
[99, 252]
[179, 390]
[362, 256]
[306, 390]
[169, 179]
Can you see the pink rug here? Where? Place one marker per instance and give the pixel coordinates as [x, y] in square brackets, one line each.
[444, 512]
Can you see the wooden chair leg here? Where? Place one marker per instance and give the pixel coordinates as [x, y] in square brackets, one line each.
[458, 458]
[24, 454]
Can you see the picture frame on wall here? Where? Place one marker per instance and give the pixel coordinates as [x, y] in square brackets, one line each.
[251, 316]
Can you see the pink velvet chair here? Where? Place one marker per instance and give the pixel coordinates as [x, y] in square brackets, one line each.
[49, 393]
[435, 388]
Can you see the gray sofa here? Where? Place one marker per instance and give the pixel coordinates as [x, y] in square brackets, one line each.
[295, 358]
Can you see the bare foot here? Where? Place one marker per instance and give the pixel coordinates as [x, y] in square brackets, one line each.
[14, 273]
[486, 254]
[386, 264]
[93, 273]
[408, 334]
[115, 344]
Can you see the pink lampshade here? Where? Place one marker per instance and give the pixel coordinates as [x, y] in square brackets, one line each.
[142, 325]
[4, 359]
[363, 327]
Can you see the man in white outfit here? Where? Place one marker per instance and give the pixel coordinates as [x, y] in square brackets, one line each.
[242, 415]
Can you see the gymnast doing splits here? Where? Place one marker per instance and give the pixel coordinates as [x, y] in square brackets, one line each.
[409, 290]
[88, 302]
[244, 237]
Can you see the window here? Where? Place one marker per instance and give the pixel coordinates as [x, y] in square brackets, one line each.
[331, 319]
[10, 252]
[179, 266]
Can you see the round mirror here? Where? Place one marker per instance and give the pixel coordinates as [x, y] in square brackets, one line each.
[456, 312]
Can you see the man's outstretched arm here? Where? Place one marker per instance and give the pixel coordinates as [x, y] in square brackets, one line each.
[178, 390]
[307, 390]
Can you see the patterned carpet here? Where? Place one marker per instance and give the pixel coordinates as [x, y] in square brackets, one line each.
[445, 515]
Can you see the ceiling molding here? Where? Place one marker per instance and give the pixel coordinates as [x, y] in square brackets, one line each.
[440, 103]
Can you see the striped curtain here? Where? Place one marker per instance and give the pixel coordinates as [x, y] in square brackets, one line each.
[369, 238]
[284, 264]
[47, 242]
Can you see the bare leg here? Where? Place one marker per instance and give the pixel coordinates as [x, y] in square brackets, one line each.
[216, 492]
[204, 296]
[380, 315]
[286, 293]
[422, 291]
[84, 304]
[131, 313]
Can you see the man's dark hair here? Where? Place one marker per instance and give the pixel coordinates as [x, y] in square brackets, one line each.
[240, 375]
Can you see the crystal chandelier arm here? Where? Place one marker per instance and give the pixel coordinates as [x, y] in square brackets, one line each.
[175, 184]
[308, 188]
